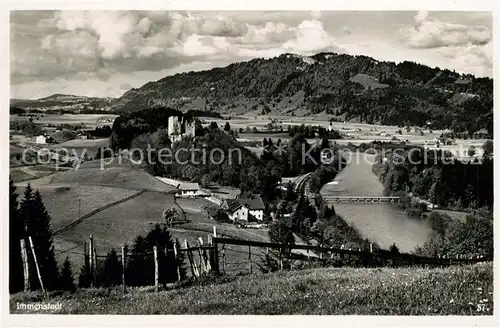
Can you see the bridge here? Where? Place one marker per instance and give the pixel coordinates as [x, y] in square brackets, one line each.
[361, 199]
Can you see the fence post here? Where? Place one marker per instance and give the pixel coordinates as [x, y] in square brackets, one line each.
[194, 267]
[209, 254]
[223, 258]
[155, 252]
[215, 231]
[216, 257]
[250, 259]
[26, 269]
[281, 258]
[203, 266]
[123, 268]
[91, 260]
[36, 264]
[176, 255]
[94, 253]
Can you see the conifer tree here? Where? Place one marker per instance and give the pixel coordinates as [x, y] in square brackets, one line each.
[66, 281]
[16, 233]
[84, 277]
[111, 273]
[37, 222]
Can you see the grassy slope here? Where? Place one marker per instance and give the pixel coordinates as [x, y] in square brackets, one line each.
[403, 291]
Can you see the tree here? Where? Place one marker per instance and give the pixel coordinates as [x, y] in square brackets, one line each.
[111, 272]
[227, 127]
[84, 278]
[170, 216]
[394, 249]
[471, 151]
[16, 233]
[66, 281]
[488, 148]
[325, 143]
[140, 269]
[213, 126]
[37, 221]
[164, 139]
[280, 232]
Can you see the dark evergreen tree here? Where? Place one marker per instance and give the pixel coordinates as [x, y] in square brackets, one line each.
[37, 222]
[140, 268]
[16, 233]
[394, 249]
[85, 277]
[111, 272]
[227, 127]
[66, 281]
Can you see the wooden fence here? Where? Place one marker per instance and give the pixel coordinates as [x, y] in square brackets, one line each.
[272, 256]
[220, 255]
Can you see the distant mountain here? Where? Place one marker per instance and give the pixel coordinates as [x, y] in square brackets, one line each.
[62, 102]
[344, 87]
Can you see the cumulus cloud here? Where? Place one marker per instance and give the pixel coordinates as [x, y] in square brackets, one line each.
[431, 33]
[107, 51]
[310, 37]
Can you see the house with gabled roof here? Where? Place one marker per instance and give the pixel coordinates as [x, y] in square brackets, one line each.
[245, 209]
[188, 189]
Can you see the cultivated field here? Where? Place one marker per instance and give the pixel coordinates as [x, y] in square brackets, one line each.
[458, 290]
[91, 121]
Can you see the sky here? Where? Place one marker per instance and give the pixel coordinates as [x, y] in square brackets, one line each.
[106, 53]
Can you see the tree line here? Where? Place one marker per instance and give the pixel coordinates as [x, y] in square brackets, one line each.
[436, 176]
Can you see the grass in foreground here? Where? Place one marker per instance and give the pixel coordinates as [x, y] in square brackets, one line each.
[403, 291]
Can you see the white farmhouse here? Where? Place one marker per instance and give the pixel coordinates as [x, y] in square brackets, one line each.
[189, 189]
[41, 140]
[249, 210]
[236, 211]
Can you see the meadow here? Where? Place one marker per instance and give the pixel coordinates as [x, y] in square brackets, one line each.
[456, 290]
[90, 120]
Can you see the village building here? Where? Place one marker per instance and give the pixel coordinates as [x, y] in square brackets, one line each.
[236, 211]
[41, 140]
[189, 189]
[44, 139]
[245, 209]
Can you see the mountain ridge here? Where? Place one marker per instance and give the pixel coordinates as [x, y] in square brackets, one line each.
[352, 87]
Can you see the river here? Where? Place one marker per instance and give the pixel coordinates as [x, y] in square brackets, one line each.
[381, 223]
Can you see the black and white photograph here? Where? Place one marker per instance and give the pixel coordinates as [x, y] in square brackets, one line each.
[250, 162]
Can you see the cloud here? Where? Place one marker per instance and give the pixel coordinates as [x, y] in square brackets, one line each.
[103, 52]
[93, 85]
[311, 37]
[431, 33]
[469, 59]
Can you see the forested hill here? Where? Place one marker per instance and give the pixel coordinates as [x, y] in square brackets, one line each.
[347, 87]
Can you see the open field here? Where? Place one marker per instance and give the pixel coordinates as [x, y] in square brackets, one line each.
[120, 224]
[31, 172]
[66, 202]
[120, 176]
[78, 146]
[343, 291]
[91, 121]
[358, 132]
